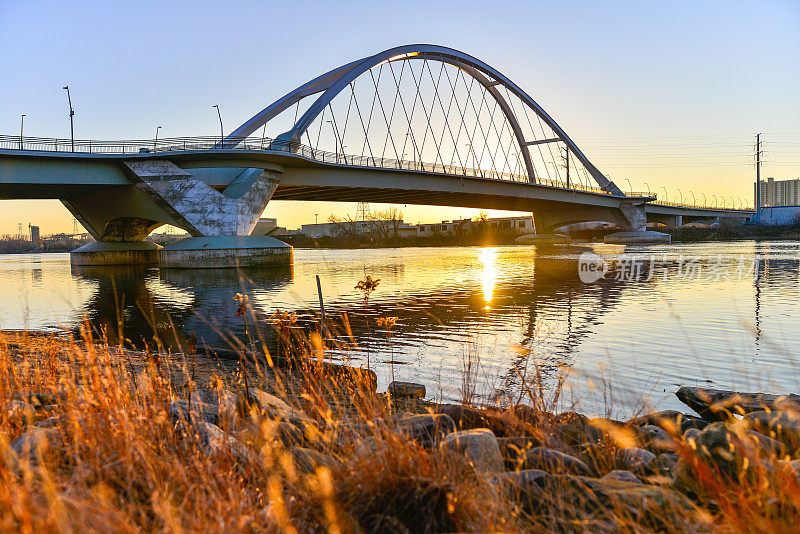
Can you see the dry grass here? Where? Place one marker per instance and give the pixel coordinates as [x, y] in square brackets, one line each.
[117, 460]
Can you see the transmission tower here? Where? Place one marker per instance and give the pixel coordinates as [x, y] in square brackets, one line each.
[362, 211]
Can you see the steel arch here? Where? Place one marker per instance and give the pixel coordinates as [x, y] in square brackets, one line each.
[335, 81]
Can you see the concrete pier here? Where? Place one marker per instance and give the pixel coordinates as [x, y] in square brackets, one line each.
[543, 239]
[212, 252]
[115, 253]
[641, 237]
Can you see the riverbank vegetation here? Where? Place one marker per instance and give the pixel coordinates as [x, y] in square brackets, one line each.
[98, 438]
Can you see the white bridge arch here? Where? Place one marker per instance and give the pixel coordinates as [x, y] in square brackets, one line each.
[334, 82]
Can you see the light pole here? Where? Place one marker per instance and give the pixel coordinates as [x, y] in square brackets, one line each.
[648, 187]
[630, 187]
[21, 125]
[221, 131]
[714, 197]
[71, 115]
[666, 195]
[705, 200]
[316, 218]
[694, 201]
[681, 194]
[156, 140]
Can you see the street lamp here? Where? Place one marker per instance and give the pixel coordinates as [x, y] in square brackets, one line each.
[156, 140]
[21, 124]
[694, 201]
[681, 194]
[221, 131]
[648, 187]
[714, 197]
[630, 187]
[71, 115]
[666, 195]
[705, 201]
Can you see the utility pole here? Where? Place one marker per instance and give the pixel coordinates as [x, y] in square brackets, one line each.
[758, 178]
[71, 115]
[362, 211]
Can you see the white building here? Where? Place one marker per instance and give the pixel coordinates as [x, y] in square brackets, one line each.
[518, 225]
[779, 192]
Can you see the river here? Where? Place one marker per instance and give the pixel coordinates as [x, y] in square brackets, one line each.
[718, 314]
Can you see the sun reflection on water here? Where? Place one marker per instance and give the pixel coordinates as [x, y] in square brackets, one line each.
[488, 257]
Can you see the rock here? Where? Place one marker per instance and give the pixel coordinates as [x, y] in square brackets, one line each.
[697, 423]
[633, 458]
[513, 448]
[666, 419]
[664, 464]
[575, 429]
[468, 418]
[367, 446]
[624, 476]
[522, 486]
[406, 389]
[276, 408]
[730, 450]
[179, 411]
[426, 429]
[289, 435]
[216, 441]
[553, 461]
[343, 377]
[607, 504]
[223, 400]
[656, 439]
[35, 443]
[308, 460]
[691, 435]
[782, 426]
[718, 404]
[479, 446]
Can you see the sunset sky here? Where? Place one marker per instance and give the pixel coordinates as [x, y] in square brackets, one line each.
[665, 95]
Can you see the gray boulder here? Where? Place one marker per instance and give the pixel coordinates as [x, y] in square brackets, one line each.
[426, 429]
[406, 389]
[479, 446]
[633, 458]
[553, 461]
[622, 475]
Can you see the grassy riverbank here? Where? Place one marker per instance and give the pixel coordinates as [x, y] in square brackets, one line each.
[94, 438]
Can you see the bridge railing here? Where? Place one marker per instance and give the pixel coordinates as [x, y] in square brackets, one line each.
[266, 144]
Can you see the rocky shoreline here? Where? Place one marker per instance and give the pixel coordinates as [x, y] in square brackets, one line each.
[394, 458]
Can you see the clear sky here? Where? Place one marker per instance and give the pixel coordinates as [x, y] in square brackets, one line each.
[656, 93]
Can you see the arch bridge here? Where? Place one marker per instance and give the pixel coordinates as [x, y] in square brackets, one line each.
[416, 124]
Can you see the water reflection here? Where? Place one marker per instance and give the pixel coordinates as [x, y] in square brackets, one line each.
[511, 307]
[171, 305]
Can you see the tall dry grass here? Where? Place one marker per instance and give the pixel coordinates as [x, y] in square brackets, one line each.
[107, 452]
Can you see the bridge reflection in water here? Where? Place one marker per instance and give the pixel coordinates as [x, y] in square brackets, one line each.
[510, 307]
[520, 301]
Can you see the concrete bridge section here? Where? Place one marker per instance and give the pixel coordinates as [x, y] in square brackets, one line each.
[217, 196]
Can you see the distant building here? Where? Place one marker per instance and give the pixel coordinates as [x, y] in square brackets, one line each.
[266, 226]
[779, 192]
[352, 228]
[518, 225]
[36, 238]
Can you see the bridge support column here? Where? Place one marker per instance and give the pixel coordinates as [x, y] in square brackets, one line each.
[115, 253]
[634, 223]
[219, 222]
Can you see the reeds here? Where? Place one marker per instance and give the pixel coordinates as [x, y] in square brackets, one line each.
[109, 451]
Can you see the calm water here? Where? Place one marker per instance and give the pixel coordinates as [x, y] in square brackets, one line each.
[722, 314]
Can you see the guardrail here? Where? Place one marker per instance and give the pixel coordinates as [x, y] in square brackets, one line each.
[266, 144]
